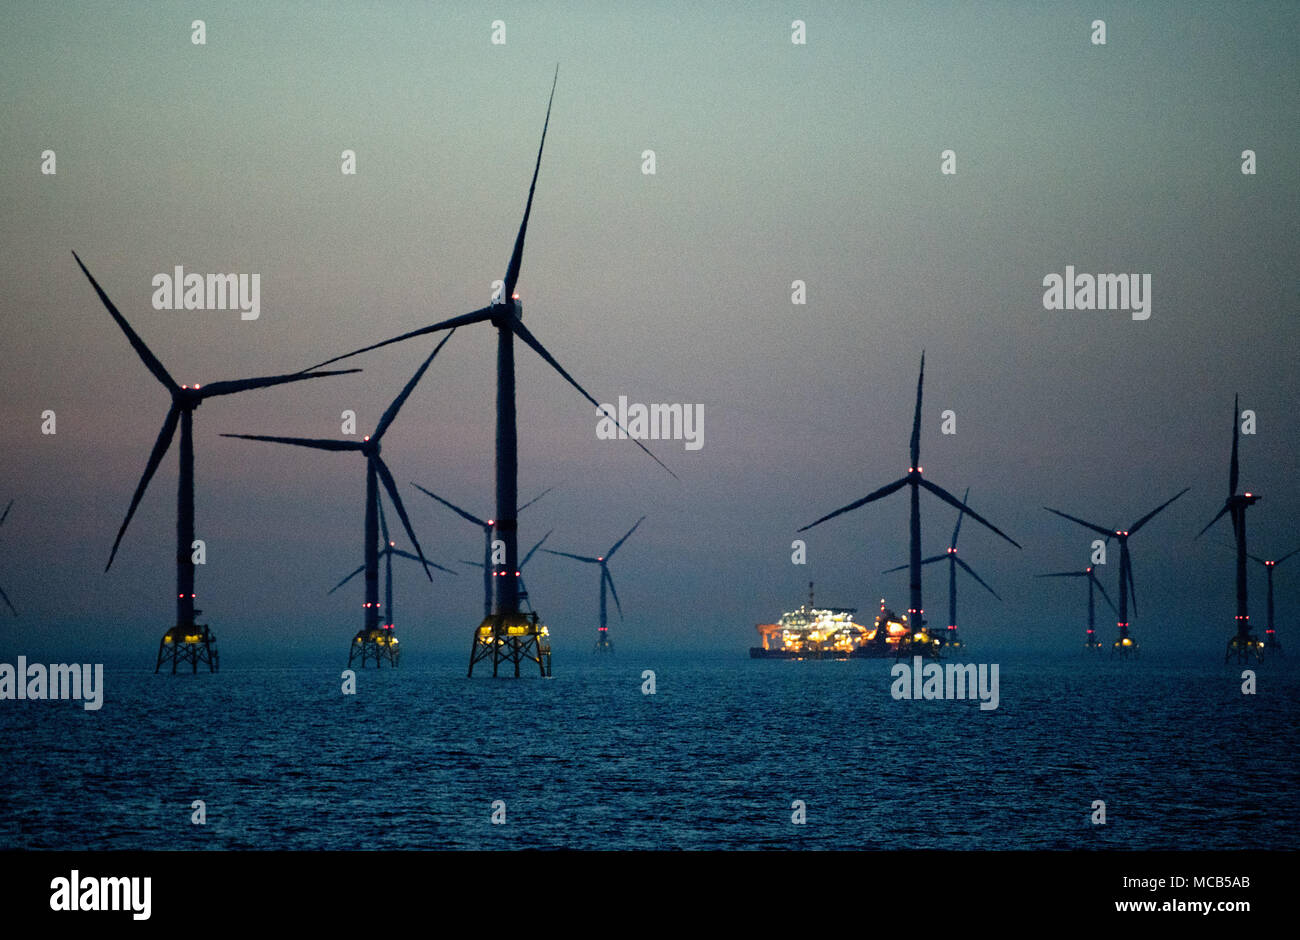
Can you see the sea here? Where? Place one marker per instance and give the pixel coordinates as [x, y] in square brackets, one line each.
[728, 753]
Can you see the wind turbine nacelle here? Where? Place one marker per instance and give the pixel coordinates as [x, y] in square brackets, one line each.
[513, 303]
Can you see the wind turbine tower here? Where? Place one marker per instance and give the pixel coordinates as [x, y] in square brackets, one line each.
[1090, 641]
[507, 635]
[186, 641]
[603, 643]
[389, 618]
[374, 639]
[951, 640]
[918, 641]
[1243, 644]
[1271, 642]
[1125, 645]
[487, 525]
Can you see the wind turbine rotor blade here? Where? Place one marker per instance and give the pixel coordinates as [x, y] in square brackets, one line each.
[1109, 533]
[146, 355]
[243, 385]
[916, 420]
[870, 497]
[346, 580]
[433, 564]
[453, 507]
[612, 590]
[1147, 518]
[532, 550]
[523, 333]
[1063, 574]
[533, 500]
[5, 598]
[1276, 561]
[1232, 465]
[517, 256]
[610, 554]
[926, 561]
[400, 400]
[970, 571]
[317, 443]
[386, 478]
[1097, 581]
[465, 319]
[943, 494]
[957, 528]
[1216, 518]
[383, 525]
[584, 558]
[476, 564]
[155, 458]
[4, 515]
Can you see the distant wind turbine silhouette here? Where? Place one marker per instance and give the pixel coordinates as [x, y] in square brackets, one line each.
[186, 641]
[3, 595]
[508, 635]
[1125, 644]
[603, 644]
[371, 639]
[952, 639]
[1243, 644]
[1270, 633]
[918, 640]
[387, 553]
[1090, 639]
[487, 526]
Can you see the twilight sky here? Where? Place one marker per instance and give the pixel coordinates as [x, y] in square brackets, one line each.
[775, 162]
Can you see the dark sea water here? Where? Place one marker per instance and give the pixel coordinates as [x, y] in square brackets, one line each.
[714, 760]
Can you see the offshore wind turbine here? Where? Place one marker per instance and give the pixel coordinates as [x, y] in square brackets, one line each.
[1090, 641]
[187, 641]
[1125, 644]
[523, 587]
[508, 635]
[951, 639]
[1270, 564]
[373, 639]
[487, 525]
[918, 640]
[603, 644]
[3, 595]
[1243, 644]
[386, 554]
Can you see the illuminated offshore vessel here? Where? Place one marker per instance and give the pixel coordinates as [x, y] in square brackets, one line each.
[813, 632]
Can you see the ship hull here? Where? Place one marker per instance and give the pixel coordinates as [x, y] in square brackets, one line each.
[871, 651]
[757, 652]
